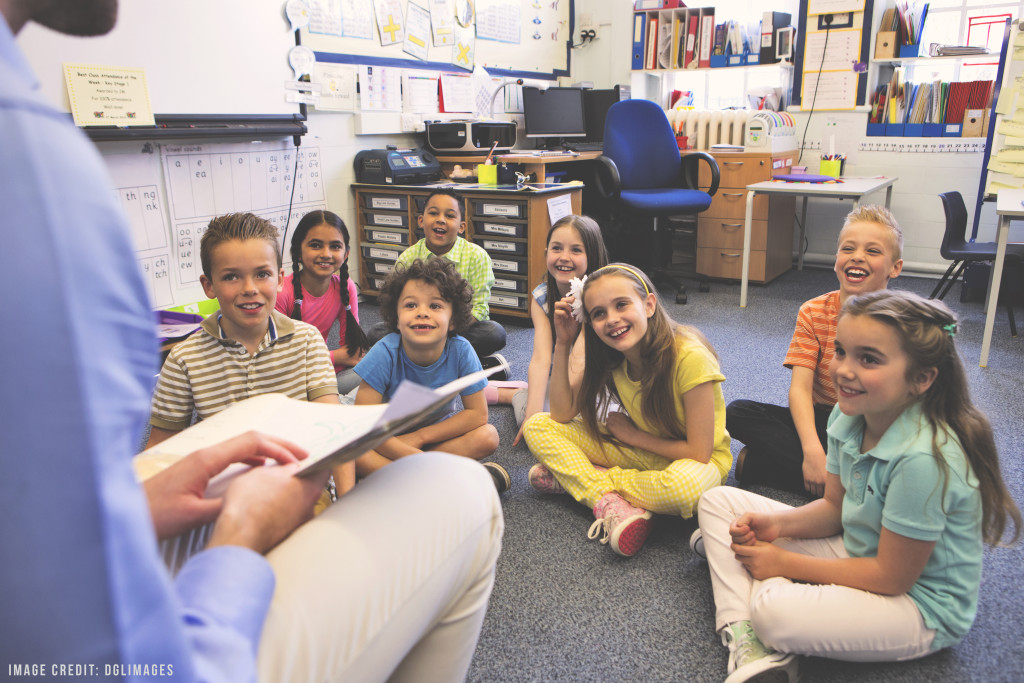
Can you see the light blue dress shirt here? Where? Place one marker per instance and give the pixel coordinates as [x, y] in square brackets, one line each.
[81, 580]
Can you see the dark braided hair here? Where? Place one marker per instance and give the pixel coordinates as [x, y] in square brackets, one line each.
[355, 338]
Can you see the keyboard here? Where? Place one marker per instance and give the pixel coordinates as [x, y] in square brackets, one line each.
[552, 153]
[588, 146]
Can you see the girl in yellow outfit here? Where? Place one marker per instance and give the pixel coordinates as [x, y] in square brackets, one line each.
[667, 443]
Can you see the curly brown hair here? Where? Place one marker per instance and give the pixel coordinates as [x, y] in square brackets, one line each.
[440, 273]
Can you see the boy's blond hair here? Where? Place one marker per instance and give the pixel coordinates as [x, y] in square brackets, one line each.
[236, 226]
[873, 213]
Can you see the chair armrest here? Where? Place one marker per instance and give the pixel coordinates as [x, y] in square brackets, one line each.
[606, 178]
[690, 171]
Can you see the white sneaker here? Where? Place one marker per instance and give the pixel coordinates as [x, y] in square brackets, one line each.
[519, 406]
[497, 360]
[697, 544]
[750, 660]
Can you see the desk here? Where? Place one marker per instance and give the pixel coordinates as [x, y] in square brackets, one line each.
[850, 188]
[532, 164]
[510, 223]
[1009, 207]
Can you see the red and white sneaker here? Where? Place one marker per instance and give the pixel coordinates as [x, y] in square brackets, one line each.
[625, 526]
[541, 479]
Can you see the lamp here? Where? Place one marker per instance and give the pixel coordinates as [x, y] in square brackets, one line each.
[490, 109]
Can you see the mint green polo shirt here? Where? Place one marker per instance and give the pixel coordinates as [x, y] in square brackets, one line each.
[900, 485]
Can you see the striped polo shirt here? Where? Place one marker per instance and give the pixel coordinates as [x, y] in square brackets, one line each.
[814, 344]
[209, 372]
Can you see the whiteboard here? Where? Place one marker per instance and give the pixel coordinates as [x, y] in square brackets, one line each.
[201, 57]
[531, 38]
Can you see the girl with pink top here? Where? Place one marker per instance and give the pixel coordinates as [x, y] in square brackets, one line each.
[314, 291]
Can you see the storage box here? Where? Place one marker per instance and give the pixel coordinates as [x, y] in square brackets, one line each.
[507, 265]
[504, 247]
[974, 124]
[952, 130]
[508, 300]
[387, 236]
[509, 284]
[500, 229]
[393, 220]
[894, 129]
[375, 251]
[876, 129]
[388, 202]
[913, 50]
[885, 44]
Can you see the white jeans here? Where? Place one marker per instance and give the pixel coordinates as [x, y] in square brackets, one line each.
[808, 619]
[389, 583]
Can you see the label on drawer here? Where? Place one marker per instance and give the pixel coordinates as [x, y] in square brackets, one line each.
[499, 209]
[502, 283]
[500, 300]
[501, 264]
[499, 229]
[498, 245]
[384, 253]
[387, 219]
[386, 203]
[385, 236]
[383, 267]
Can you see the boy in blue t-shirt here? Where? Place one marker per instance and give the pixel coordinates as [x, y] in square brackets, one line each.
[425, 305]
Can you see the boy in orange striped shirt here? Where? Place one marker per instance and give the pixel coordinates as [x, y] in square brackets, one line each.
[785, 447]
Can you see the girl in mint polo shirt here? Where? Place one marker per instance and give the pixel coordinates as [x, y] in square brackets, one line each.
[886, 566]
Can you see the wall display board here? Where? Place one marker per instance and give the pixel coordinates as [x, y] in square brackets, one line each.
[516, 38]
[170, 192]
[225, 60]
[831, 59]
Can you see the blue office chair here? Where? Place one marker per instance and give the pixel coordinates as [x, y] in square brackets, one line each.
[642, 173]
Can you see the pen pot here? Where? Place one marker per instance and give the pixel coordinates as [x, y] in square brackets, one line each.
[831, 167]
[487, 174]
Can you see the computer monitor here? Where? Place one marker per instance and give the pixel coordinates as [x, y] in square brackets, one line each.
[554, 112]
[595, 109]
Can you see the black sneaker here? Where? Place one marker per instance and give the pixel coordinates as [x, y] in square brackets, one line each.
[497, 360]
[499, 474]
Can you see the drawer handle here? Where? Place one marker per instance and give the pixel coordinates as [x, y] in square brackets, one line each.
[732, 163]
[733, 194]
[727, 255]
[732, 225]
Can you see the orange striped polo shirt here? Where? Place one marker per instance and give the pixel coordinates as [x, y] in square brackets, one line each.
[813, 343]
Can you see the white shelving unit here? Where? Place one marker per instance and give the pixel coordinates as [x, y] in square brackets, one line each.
[733, 82]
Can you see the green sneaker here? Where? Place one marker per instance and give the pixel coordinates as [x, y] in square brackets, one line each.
[750, 660]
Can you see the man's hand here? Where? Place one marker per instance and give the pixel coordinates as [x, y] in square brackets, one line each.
[176, 496]
[263, 506]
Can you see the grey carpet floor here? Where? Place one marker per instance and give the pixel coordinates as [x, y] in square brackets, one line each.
[566, 608]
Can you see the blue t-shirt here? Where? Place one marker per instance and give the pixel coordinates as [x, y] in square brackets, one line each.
[385, 365]
[900, 485]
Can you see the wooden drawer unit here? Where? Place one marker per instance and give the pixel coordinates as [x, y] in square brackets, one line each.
[511, 226]
[720, 228]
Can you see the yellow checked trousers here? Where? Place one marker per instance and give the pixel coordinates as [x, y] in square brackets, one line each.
[647, 480]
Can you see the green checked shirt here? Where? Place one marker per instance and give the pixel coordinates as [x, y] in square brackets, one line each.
[471, 262]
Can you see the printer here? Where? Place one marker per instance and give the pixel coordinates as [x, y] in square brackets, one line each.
[470, 137]
[393, 166]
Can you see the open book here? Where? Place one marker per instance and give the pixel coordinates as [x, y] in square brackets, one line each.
[332, 434]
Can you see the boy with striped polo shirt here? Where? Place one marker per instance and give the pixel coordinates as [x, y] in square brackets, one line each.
[785, 447]
[246, 348]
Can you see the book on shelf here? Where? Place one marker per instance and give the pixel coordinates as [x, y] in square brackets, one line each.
[707, 36]
[651, 60]
[332, 434]
[691, 40]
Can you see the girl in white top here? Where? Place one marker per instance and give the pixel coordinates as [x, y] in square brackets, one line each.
[574, 249]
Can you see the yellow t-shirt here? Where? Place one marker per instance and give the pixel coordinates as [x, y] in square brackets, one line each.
[695, 365]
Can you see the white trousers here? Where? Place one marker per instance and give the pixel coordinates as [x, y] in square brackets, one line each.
[389, 583]
[809, 619]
